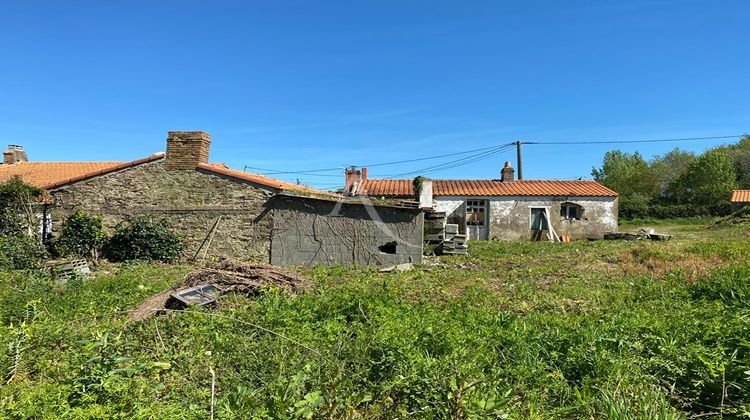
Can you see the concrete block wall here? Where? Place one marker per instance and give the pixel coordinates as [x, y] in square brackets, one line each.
[309, 231]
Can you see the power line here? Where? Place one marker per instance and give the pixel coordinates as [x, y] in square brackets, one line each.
[456, 163]
[313, 172]
[633, 141]
[489, 151]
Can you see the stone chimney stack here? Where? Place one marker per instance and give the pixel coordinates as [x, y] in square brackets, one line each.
[14, 154]
[187, 149]
[508, 173]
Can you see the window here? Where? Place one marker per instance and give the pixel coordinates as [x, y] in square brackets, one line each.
[475, 212]
[570, 211]
[538, 219]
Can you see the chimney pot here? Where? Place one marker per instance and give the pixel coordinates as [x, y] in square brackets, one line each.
[187, 149]
[507, 174]
[364, 174]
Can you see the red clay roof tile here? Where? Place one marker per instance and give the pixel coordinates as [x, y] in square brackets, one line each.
[44, 174]
[51, 175]
[260, 179]
[403, 188]
[740, 196]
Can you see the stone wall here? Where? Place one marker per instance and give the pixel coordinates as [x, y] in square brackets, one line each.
[310, 231]
[510, 217]
[191, 200]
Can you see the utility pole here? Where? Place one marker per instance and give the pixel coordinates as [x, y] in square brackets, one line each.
[518, 157]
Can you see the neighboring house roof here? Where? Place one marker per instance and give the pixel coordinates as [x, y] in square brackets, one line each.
[51, 175]
[44, 174]
[403, 188]
[740, 196]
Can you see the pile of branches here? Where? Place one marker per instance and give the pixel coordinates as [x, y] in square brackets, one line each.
[229, 276]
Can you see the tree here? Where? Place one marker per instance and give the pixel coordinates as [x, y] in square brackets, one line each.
[17, 212]
[708, 180]
[667, 168]
[630, 176]
[740, 155]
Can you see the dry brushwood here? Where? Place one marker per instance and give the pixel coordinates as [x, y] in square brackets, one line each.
[230, 276]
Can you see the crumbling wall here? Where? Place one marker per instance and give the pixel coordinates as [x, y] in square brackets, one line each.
[510, 217]
[454, 209]
[309, 231]
[191, 200]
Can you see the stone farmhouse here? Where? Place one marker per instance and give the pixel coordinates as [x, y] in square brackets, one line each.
[247, 216]
[505, 208]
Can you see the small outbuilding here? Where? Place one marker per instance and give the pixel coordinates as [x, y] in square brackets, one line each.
[740, 199]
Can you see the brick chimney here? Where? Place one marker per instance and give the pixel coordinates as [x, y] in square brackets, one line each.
[352, 177]
[187, 149]
[508, 173]
[14, 154]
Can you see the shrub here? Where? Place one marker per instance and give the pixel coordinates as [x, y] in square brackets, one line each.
[21, 252]
[143, 239]
[81, 236]
[17, 215]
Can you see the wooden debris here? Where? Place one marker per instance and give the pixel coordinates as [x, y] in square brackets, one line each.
[229, 276]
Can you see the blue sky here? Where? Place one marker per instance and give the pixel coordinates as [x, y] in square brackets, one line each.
[297, 85]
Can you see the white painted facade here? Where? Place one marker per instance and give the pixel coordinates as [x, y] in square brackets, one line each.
[509, 218]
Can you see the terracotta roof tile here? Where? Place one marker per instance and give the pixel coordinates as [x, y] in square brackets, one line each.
[50, 175]
[740, 196]
[261, 179]
[43, 174]
[403, 188]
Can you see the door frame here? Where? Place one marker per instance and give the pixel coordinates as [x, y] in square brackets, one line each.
[485, 231]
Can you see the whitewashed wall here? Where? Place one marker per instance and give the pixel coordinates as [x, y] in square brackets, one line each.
[509, 217]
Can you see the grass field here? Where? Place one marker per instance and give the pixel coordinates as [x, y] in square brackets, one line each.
[515, 330]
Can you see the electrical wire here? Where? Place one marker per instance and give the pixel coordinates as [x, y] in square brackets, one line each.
[633, 141]
[313, 172]
[455, 163]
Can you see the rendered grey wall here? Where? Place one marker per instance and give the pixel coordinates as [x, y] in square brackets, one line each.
[308, 231]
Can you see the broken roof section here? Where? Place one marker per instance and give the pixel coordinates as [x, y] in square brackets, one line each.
[486, 187]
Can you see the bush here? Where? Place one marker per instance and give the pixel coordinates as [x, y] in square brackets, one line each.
[143, 239]
[17, 214]
[21, 252]
[81, 235]
[673, 211]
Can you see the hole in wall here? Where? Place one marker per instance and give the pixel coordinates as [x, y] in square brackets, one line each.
[388, 248]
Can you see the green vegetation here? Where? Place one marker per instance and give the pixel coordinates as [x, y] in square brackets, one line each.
[19, 248]
[678, 183]
[521, 330]
[143, 239]
[82, 235]
[17, 215]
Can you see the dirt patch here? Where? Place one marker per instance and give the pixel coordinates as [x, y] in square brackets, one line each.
[692, 266]
[230, 276]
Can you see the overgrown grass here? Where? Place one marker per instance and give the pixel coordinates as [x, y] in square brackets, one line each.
[519, 330]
